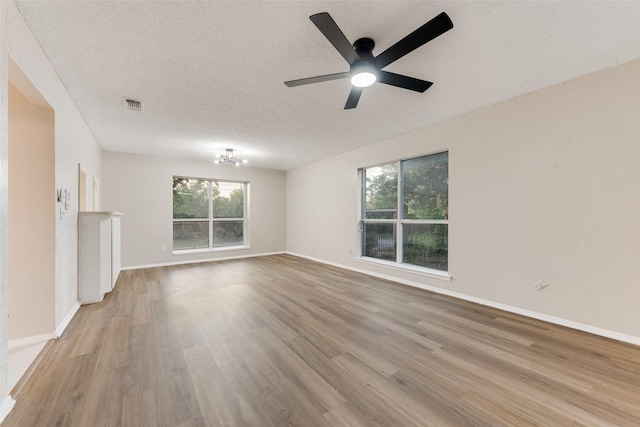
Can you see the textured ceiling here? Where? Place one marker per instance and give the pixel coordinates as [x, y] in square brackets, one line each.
[211, 73]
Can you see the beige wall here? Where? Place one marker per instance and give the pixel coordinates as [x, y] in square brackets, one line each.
[141, 188]
[31, 218]
[541, 186]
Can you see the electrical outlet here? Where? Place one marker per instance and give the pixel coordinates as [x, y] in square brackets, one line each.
[540, 285]
[163, 249]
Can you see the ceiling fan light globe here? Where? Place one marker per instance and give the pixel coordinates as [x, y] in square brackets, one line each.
[363, 79]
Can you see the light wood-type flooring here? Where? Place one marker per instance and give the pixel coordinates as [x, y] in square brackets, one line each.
[284, 341]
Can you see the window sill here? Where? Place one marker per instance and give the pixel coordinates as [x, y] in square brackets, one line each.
[423, 271]
[209, 250]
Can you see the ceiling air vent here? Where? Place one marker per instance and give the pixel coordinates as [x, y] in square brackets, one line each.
[133, 104]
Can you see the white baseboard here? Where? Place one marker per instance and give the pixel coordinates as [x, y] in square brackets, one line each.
[46, 337]
[65, 322]
[195, 261]
[6, 406]
[33, 339]
[517, 310]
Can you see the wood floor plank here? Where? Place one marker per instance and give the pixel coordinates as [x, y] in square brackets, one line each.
[102, 404]
[421, 412]
[140, 409]
[211, 389]
[349, 415]
[284, 341]
[315, 387]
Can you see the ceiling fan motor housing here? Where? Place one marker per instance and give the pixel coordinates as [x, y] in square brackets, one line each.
[364, 48]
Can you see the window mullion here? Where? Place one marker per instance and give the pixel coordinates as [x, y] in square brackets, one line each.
[363, 210]
[425, 221]
[400, 214]
[210, 214]
[245, 205]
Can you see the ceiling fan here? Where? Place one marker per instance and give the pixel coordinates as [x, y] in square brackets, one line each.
[366, 69]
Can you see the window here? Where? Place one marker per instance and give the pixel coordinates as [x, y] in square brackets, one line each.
[208, 214]
[405, 212]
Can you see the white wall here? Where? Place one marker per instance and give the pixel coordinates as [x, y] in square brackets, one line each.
[141, 188]
[74, 144]
[541, 186]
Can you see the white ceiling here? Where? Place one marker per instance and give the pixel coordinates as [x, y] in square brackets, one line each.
[211, 73]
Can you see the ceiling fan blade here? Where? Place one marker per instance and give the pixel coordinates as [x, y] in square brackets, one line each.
[404, 82]
[329, 28]
[317, 79]
[354, 97]
[429, 31]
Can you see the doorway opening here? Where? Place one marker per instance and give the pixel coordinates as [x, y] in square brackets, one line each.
[32, 221]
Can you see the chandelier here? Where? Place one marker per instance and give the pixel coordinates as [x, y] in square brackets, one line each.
[228, 158]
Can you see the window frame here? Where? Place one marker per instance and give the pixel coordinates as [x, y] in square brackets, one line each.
[211, 219]
[398, 222]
